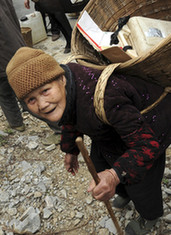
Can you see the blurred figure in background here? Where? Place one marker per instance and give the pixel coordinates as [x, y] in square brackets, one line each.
[57, 9]
[10, 41]
[54, 24]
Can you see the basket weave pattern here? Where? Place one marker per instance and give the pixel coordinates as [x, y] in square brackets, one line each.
[154, 65]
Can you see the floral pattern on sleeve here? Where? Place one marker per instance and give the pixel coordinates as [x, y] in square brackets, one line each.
[143, 150]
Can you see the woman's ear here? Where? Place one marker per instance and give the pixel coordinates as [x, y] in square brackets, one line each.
[63, 80]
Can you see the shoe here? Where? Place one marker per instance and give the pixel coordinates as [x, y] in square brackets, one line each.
[52, 139]
[140, 226]
[19, 128]
[67, 50]
[55, 37]
[74, 15]
[120, 202]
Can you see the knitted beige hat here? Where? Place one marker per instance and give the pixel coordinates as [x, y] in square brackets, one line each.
[30, 69]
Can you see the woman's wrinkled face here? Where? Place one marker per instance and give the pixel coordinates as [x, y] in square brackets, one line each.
[49, 100]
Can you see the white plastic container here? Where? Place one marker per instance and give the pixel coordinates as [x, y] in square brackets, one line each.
[35, 22]
[147, 32]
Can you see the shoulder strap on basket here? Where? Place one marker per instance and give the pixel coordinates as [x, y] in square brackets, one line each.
[100, 90]
[165, 92]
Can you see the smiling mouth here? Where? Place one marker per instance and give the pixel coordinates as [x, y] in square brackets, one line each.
[50, 111]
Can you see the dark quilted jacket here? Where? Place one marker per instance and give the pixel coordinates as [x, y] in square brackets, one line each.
[132, 142]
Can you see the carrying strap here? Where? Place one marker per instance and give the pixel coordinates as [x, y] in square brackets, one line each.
[100, 90]
[165, 92]
[101, 86]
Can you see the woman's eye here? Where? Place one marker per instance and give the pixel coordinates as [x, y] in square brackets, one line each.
[31, 101]
[45, 91]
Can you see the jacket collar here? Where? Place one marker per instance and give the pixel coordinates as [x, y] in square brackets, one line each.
[69, 115]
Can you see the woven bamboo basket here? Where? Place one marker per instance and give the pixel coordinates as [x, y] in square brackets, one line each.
[154, 65]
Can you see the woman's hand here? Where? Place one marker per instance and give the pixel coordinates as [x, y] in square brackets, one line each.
[106, 187]
[71, 163]
[27, 4]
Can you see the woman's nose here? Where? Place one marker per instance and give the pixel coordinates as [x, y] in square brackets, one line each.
[42, 104]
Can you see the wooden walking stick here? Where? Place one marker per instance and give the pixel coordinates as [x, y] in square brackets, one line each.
[92, 170]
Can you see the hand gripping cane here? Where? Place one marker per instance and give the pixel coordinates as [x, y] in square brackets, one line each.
[92, 170]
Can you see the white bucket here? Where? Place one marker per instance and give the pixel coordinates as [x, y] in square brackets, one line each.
[35, 22]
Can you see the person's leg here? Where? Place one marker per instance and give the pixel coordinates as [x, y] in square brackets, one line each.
[9, 104]
[54, 27]
[37, 8]
[97, 158]
[100, 163]
[147, 198]
[122, 199]
[147, 195]
[59, 13]
[44, 20]
[65, 28]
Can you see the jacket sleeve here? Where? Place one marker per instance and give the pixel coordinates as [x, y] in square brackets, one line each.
[69, 135]
[143, 150]
[122, 111]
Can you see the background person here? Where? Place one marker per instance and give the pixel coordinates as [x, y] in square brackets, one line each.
[54, 24]
[10, 40]
[129, 154]
[59, 8]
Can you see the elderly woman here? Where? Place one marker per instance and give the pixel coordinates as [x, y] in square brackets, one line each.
[132, 147]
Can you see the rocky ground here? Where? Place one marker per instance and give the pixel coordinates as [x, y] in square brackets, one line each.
[38, 196]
